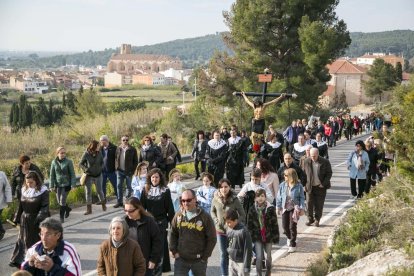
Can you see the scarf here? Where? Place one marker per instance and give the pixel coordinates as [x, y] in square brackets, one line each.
[262, 223]
[145, 147]
[116, 244]
[360, 162]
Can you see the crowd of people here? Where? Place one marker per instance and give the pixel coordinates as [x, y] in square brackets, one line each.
[291, 173]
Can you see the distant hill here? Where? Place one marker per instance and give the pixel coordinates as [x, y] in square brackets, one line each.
[198, 50]
[192, 51]
[398, 42]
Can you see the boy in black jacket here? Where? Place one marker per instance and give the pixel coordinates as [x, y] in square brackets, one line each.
[239, 245]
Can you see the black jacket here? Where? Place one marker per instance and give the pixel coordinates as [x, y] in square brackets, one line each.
[109, 158]
[151, 155]
[299, 171]
[199, 154]
[17, 179]
[270, 218]
[148, 237]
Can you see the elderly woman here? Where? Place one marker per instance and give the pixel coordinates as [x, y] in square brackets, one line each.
[144, 230]
[92, 165]
[358, 166]
[62, 179]
[120, 255]
[33, 209]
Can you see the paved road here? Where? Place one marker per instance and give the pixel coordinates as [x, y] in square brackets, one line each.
[86, 233]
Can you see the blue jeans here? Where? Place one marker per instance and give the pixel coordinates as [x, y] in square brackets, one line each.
[224, 256]
[121, 176]
[260, 249]
[112, 178]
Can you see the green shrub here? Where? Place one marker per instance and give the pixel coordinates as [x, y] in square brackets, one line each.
[320, 267]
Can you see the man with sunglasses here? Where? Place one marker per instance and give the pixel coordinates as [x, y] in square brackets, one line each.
[126, 160]
[193, 237]
[52, 255]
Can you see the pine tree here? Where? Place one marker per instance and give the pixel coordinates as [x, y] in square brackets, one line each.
[64, 100]
[398, 72]
[50, 113]
[71, 102]
[40, 116]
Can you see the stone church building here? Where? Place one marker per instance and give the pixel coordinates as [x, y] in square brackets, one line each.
[127, 63]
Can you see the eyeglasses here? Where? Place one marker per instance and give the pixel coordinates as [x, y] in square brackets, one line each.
[130, 211]
[125, 140]
[187, 200]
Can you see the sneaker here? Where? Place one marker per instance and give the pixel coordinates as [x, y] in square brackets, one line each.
[287, 242]
[118, 205]
[291, 249]
[353, 197]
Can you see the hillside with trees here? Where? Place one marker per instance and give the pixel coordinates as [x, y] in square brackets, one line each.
[199, 50]
[398, 42]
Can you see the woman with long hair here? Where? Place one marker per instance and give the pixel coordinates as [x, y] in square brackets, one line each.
[120, 255]
[62, 179]
[269, 176]
[92, 164]
[33, 208]
[144, 230]
[290, 203]
[224, 199]
[156, 199]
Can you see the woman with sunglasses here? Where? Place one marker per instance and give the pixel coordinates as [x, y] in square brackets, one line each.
[144, 230]
[33, 209]
[156, 199]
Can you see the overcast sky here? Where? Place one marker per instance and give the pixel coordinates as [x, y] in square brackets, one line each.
[80, 25]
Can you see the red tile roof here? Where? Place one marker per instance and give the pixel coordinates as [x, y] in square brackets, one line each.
[342, 66]
[406, 76]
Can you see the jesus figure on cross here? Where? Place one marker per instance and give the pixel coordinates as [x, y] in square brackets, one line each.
[258, 121]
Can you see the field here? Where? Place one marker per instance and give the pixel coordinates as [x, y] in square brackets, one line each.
[154, 98]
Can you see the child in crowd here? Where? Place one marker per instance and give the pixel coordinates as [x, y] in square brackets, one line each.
[176, 188]
[239, 245]
[264, 229]
[205, 193]
[139, 178]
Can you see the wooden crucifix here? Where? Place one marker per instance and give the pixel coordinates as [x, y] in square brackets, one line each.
[259, 106]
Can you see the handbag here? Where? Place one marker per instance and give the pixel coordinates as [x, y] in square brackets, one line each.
[83, 178]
